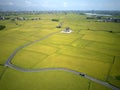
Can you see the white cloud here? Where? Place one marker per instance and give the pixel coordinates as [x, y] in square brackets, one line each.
[7, 3]
[45, 4]
[29, 3]
[49, 5]
[10, 3]
[65, 4]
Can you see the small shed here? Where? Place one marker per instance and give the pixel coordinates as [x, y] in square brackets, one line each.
[67, 30]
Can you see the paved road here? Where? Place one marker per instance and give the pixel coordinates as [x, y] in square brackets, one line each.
[10, 65]
[62, 69]
[21, 47]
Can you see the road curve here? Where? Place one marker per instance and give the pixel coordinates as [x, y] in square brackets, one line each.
[21, 47]
[10, 65]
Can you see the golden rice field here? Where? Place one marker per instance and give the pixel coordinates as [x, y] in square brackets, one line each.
[94, 52]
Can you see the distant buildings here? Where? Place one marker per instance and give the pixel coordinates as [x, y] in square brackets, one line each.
[2, 18]
[104, 19]
[117, 20]
[17, 18]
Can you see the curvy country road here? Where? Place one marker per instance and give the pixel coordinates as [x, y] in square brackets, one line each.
[10, 65]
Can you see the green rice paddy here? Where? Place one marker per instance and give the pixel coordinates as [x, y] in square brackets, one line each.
[94, 52]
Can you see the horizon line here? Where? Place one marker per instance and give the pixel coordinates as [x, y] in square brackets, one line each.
[51, 10]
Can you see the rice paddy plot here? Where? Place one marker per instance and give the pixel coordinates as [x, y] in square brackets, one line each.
[81, 43]
[114, 77]
[110, 49]
[47, 80]
[62, 38]
[13, 42]
[95, 86]
[13, 37]
[1, 69]
[102, 37]
[38, 47]
[5, 51]
[78, 64]
[28, 59]
[102, 26]
[86, 53]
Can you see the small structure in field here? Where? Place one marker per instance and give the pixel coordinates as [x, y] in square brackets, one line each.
[20, 18]
[67, 30]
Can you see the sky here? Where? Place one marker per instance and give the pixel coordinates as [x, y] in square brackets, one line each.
[37, 5]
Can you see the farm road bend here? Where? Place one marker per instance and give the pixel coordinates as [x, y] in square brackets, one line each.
[10, 65]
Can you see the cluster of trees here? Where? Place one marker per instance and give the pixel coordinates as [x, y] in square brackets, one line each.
[56, 20]
[15, 13]
[2, 27]
[118, 77]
